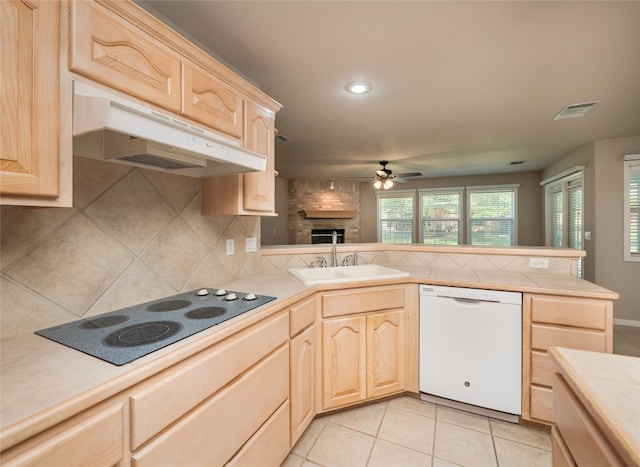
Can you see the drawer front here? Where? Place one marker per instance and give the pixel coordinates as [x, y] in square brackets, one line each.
[543, 337]
[211, 102]
[301, 315]
[156, 405]
[542, 404]
[96, 439]
[211, 434]
[270, 445]
[362, 300]
[108, 50]
[560, 455]
[579, 312]
[584, 439]
[542, 368]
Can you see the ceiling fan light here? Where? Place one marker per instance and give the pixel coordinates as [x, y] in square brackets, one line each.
[377, 184]
[388, 183]
[359, 87]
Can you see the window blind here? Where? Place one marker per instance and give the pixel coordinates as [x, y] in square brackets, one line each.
[440, 220]
[395, 218]
[492, 217]
[634, 210]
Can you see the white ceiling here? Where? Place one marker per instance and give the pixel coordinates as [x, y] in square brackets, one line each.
[458, 87]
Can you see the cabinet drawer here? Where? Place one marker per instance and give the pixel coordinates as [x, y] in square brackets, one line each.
[270, 444]
[96, 438]
[210, 435]
[107, 49]
[542, 403]
[542, 369]
[584, 439]
[302, 315]
[156, 404]
[210, 101]
[579, 312]
[362, 300]
[543, 336]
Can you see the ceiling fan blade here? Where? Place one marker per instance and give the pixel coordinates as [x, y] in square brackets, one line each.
[399, 180]
[411, 174]
[382, 173]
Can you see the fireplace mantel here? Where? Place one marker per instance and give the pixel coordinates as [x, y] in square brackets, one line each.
[322, 214]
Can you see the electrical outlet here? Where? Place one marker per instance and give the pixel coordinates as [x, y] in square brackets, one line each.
[250, 244]
[587, 235]
[230, 247]
[539, 263]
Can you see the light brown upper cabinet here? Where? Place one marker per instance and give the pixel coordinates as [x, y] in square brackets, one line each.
[30, 109]
[251, 193]
[115, 53]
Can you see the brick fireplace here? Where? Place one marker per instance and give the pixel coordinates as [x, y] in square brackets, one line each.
[313, 205]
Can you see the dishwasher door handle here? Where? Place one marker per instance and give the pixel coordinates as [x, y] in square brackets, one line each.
[470, 301]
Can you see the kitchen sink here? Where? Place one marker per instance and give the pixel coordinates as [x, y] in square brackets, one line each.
[341, 274]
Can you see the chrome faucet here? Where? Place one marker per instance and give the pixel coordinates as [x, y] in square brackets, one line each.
[345, 260]
[321, 260]
[334, 241]
[355, 257]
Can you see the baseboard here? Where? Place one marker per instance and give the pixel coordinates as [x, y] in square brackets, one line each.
[627, 322]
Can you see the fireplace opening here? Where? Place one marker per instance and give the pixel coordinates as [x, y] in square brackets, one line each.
[325, 235]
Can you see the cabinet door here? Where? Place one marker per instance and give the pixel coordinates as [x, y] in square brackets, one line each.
[302, 395]
[108, 49]
[385, 353]
[258, 188]
[210, 101]
[343, 361]
[29, 98]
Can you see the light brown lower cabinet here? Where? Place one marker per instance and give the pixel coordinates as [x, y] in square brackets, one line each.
[576, 438]
[552, 320]
[303, 350]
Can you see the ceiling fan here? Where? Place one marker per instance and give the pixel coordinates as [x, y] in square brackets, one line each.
[385, 178]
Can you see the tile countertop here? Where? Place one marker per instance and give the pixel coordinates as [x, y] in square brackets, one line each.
[609, 387]
[42, 381]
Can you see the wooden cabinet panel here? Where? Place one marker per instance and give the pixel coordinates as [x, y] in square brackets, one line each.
[570, 311]
[303, 382]
[542, 368]
[385, 353]
[209, 101]
[210, 435]
[269, 446]
[94, 438]
[109, 50]
[584, 439]
[560, 455]
[543, 337]
[302, 315]
[30, 99]
[343, 361]
[258, 188]
[541, 403]
[154, 406]
[362, 300]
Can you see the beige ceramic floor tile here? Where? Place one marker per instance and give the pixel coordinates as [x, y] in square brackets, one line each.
[366, 419]
[386, 454]
[514, 454]
[463, 446]
[338, 445]
[437, 462]
[411, 404]
[522, 434]
[309, 437]
[462, 418]
[408, 429]
[292, 460]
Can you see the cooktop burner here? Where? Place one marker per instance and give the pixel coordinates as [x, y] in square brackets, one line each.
[122, 336]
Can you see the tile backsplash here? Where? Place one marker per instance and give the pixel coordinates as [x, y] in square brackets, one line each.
[132, 236]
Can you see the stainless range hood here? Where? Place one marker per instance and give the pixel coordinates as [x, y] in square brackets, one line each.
[110, 127]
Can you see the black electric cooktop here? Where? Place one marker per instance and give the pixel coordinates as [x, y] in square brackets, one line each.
[125, 335]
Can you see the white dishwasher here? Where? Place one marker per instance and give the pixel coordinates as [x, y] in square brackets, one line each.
[471, 346]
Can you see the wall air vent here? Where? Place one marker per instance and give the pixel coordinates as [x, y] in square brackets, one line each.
[575, 110]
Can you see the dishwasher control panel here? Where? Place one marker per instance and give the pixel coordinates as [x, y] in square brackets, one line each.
[498, 296]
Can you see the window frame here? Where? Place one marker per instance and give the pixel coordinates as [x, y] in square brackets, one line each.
[461, 213]
[513, 188]
[631, 162]
[396, 194]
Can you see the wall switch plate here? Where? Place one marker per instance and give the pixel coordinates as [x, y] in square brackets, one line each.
[587, 235]
[230, 247]
[539, 263]
[250, 244]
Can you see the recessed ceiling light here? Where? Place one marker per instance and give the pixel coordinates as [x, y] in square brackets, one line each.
[359, 87]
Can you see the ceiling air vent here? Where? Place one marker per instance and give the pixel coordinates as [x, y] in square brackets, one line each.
[575, 110]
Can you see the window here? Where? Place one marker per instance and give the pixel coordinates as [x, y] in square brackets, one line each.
[441, 211]
[395, 217]
[564, 221]
[632, 208]
[492, 216]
